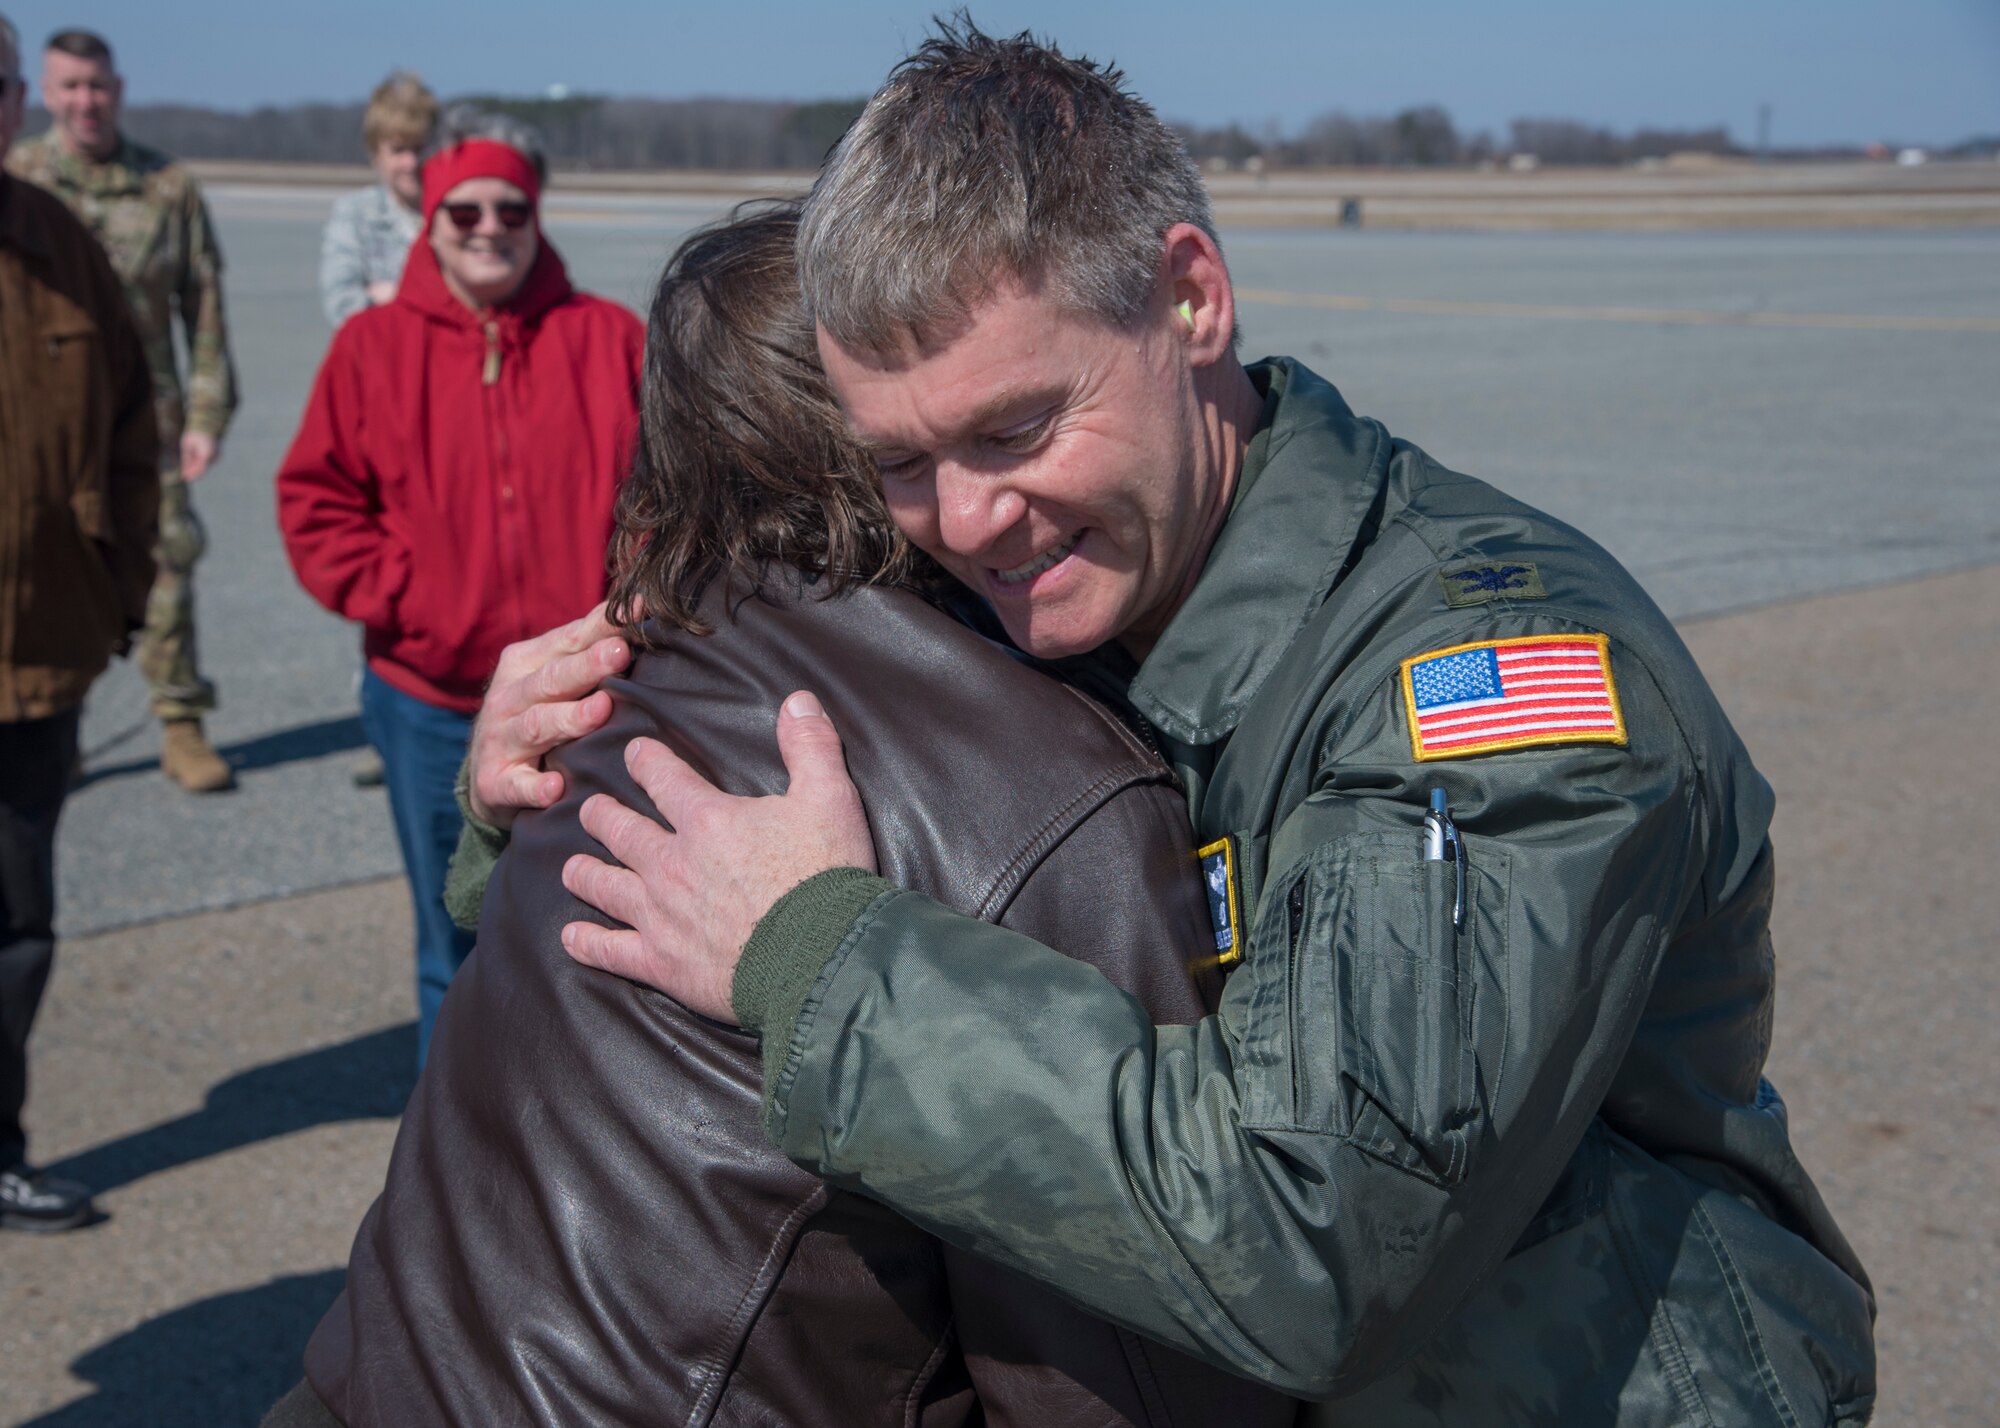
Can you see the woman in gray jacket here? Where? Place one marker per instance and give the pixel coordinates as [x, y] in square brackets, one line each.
[370, 231]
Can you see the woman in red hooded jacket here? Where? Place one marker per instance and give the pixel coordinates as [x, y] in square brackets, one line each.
[452, 482]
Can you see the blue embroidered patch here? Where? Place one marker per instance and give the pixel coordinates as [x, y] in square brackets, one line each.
[1485, 580]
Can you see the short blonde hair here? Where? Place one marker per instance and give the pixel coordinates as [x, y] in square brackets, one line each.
[401, 111]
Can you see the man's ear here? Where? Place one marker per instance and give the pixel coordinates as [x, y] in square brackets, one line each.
[1198, 299]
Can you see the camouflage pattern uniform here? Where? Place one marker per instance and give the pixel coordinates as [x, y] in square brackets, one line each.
[147, 212]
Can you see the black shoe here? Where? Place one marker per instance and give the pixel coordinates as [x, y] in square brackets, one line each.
[40, 1203]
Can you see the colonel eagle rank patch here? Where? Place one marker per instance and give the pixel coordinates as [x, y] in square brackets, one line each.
[1479, 581]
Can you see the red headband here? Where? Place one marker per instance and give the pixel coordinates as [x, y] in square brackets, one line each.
[476, 158]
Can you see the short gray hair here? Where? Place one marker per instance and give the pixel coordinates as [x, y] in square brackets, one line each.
[986, 159]
[466, 121]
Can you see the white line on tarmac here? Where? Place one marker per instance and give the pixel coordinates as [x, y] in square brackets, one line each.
[1675, 316]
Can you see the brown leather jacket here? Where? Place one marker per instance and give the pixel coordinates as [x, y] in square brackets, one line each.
[584, 1221]
[79, 483]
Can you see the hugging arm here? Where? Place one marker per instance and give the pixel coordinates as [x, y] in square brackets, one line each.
[1302, 1187]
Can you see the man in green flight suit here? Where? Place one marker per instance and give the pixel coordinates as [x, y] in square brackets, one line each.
[147, 213]
[1479, 1135]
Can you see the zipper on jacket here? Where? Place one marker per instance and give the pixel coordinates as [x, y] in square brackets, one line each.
[490, 373]
[1295, 917]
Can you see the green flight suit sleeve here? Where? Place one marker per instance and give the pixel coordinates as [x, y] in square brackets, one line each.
[1303, 1187]
[211, 386]
[480, 845]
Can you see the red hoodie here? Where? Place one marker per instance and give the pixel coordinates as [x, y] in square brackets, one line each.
[452, 482]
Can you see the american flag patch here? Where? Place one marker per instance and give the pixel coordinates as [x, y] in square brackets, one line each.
[1512, 694]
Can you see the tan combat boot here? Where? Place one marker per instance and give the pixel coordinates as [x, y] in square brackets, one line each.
[187, 758]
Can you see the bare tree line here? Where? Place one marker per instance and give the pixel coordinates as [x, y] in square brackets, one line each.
[583, 131]
[600, 132]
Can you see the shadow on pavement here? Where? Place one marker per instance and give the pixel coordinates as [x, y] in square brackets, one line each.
[286, 746]
[220, 1363]
[368, 1078]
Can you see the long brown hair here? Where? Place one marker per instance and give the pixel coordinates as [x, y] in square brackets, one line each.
[742, 459]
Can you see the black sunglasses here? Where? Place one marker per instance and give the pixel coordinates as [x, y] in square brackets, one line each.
[512, 214]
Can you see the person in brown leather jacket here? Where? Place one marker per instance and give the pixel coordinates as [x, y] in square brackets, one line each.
[583, 1220]
[79, 507]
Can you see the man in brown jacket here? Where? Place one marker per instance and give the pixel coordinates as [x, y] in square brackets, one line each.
[79, 509]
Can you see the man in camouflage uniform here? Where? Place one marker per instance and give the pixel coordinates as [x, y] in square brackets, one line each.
[147, 212]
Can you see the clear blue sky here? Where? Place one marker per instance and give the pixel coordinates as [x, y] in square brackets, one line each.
[1832, 70]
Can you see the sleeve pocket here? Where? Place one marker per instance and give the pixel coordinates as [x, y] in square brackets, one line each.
[1399, 1018]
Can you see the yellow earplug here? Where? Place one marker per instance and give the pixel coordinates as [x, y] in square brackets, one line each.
[1186, 310]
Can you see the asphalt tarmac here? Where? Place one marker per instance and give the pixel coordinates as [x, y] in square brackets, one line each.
[230, 1080]
[1754, 422]
[1613, 379]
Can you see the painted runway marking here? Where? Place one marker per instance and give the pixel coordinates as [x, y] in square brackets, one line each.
[1673, 316]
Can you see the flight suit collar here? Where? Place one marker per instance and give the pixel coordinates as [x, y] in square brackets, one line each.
[1312, 474]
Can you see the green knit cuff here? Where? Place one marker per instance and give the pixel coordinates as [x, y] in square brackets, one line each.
[791, 945]
[788, 950]
[480, 845]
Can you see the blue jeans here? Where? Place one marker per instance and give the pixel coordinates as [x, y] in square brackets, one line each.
[421, 747]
